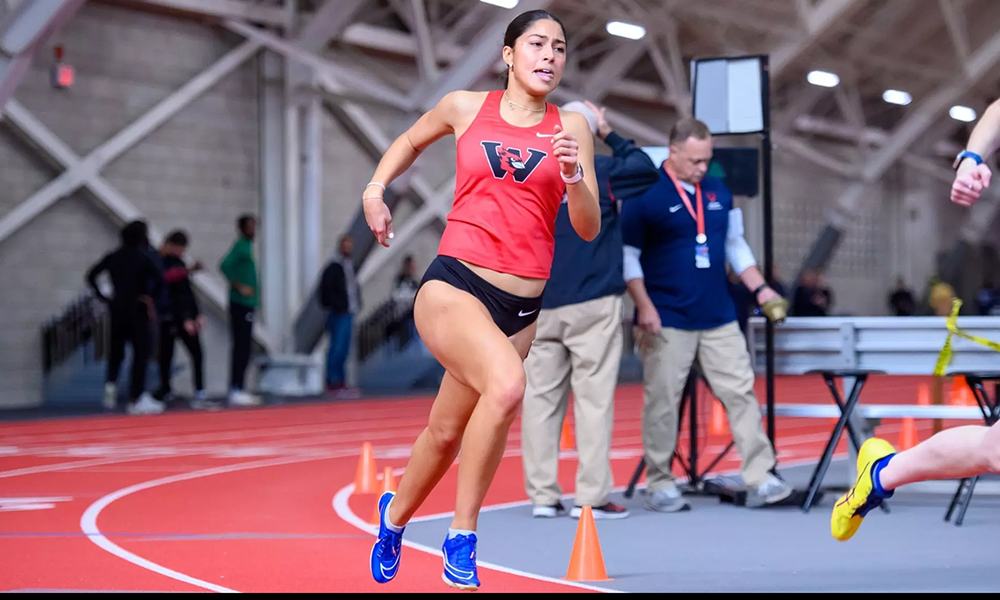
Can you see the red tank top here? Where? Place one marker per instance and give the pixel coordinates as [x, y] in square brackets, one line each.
[507, 194]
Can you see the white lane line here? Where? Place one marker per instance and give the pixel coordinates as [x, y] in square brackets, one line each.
[88, 522]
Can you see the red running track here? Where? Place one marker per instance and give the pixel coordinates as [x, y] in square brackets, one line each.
[242, 500]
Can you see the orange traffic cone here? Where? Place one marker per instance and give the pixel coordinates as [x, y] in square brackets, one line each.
[924, 395]
[388, 481]
[587, 562]
[718, 424]
[958, 389]
[366, 481]
[566, 440]
[908, 434]
[967, 398]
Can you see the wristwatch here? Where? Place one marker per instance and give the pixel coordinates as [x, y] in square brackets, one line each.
[964, 154]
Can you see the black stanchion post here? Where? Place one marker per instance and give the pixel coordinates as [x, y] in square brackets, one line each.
[768, 236]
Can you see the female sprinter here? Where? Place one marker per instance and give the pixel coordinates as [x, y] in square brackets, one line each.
[518, 157]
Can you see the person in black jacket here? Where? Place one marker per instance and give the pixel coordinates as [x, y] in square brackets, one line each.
[183, 320]
[340, 295]
[136, 280]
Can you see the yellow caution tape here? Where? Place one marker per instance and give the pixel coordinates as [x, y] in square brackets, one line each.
[944, 358]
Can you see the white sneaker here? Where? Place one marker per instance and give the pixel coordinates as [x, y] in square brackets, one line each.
[241, 398]
[548, 512]
[110, 395]
[772, 491]
[146, 405]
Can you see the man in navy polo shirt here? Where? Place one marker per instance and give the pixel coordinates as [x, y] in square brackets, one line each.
[678, 236]
[579, 339]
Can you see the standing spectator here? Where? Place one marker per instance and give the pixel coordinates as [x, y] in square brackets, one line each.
[678, 237]
[135, 281]
[341, 297]
[579, 340]
[812, 298]
[403, 292]
[183, 320]
[987, 297]
[901, 300]
[240, 268]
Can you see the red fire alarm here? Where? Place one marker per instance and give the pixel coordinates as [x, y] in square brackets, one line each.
[63, 75]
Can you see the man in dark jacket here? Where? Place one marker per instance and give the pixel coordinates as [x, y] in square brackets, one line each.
[182, 320]
[136, 280]
[340, 295]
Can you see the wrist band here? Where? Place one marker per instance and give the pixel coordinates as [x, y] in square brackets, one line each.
[575, 178]
[759, 289]
[371, 183]
[964, 154]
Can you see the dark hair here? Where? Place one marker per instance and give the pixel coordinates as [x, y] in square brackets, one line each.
[516, 29]
[135, 234]
[243, 221]
[688, 128]
[178, 238]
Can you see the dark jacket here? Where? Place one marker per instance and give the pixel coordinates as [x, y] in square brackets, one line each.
[133, 275]
[581, 270]
[183, 305]
[333, 294]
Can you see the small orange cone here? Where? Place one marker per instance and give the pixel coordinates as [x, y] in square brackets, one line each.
[967, 398]
[958, 389]
[908, 434]
[388, 481]
[587, 562]
[718, 424]
[923, 395]
[366, 480]
[566, 440]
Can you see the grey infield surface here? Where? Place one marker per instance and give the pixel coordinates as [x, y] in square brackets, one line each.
[724, 548]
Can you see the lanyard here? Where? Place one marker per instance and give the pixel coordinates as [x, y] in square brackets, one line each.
[699, 218]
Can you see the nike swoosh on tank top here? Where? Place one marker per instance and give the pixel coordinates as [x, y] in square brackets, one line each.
[507, 194]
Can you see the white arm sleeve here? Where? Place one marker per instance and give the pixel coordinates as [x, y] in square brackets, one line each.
[738, 251]
[632, 267]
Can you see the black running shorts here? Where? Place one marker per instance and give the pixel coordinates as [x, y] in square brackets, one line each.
[510, 313]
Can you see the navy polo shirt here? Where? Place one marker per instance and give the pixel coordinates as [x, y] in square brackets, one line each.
[582, 270]
[660, 226]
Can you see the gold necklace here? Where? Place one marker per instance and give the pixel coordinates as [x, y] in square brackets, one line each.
[512, 103]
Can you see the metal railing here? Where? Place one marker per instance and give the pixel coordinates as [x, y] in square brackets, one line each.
[82, 324]
[388, 324]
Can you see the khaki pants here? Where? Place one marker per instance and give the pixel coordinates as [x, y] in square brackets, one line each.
[578, 346]
[723, 357]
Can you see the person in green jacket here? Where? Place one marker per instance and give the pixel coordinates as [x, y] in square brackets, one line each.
[240, 269]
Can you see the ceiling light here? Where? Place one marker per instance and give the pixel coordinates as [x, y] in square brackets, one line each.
[823, 79]
[896, 97]
[626, 30]
[962, 113]
[501, 3]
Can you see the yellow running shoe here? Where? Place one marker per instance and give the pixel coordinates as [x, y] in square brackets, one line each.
[852, 507]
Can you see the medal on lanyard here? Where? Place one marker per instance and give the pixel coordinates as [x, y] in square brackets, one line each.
[701, 259]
